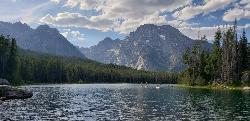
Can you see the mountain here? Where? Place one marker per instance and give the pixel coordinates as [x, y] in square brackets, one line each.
[150, 47]
[42, 39]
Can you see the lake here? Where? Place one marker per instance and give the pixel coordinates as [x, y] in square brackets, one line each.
[127, 102]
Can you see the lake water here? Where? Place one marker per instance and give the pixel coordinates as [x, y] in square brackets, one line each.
[127, 102]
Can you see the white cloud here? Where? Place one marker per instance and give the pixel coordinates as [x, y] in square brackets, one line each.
[56, 1]
[208, 31]
[24, 14]
[75, 37]
[244, 1]
[124, 16]
[91, 4]
[238, 12]
[67, 19]
[72, 3]
[191, 11]
[121, 16]
[195, 32]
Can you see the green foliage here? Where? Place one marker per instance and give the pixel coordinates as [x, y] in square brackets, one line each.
[13, 63]
[243, 52]
[248, 57]
[4, 51]
[198, 70]
[227, 63]
[216, 57]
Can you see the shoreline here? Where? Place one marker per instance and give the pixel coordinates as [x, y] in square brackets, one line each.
[212, 87]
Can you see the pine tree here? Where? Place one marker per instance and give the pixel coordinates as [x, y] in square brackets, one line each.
[227, 56]
[235, 58]
[4, 49]
[243, 59]
[248, 57]
[216, 57]
[13, 62]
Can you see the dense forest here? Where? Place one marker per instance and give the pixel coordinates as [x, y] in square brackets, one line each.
[228, 62]
[25, 67]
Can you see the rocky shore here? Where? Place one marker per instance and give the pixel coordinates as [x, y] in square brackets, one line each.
[8, 92]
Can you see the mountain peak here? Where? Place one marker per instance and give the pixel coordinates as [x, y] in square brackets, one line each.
[149, 47]
[150, 29]
[42, 39]
[45, 26]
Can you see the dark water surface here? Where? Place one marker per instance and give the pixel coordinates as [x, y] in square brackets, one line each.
[127, 102]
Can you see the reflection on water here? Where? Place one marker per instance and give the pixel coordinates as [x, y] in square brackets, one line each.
[127, 102]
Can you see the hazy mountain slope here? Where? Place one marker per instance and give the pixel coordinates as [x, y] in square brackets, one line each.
[42, 39]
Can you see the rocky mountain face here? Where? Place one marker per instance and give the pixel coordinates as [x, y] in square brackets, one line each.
[150, 47]
[42, 39]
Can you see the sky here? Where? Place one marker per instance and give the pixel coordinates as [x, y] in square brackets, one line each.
[86, 22]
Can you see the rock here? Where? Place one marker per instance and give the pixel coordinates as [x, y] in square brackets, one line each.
[4, 82]
[8, 92]
[246, 78]
[246, 88]
[149, 47]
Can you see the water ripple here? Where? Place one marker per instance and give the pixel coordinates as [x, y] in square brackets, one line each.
[114, 102]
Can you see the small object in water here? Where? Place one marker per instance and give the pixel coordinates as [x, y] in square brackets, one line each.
[157, 87]
[146, 85]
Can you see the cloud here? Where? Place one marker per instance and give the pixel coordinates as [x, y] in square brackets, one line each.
[84, 4]
[67, 19]
[75, 37]
[22, 13]
[190, 11]
[195, 32]
[238, 12]
[56, 1]
[208, 31]
[121, 16]
[124, 16]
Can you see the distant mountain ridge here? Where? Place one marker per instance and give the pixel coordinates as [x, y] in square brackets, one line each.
[150, 47]
[42, 39]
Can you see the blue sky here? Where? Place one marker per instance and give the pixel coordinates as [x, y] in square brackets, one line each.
[86, 22]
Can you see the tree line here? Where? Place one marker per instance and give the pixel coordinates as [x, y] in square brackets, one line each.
[26, 67]
[227, 63]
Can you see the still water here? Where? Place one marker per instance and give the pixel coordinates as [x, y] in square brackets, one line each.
[130, 102]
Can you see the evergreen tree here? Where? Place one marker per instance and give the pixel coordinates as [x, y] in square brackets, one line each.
[235, 57]
[216, 57]
[4, 49]
[243, 59]
[13, 62]
[248, 57]
[198, 71]
[229, 57]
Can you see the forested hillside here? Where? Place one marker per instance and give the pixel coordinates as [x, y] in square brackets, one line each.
[227, 64]
[22, 66]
